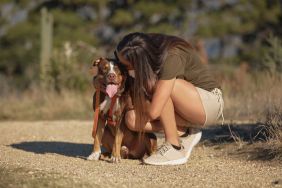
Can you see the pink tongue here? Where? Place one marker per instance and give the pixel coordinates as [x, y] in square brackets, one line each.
[111, 90]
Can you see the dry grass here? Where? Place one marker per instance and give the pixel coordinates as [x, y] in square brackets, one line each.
[249, 98]
[274, 131]
[36, 104]
[255, 98]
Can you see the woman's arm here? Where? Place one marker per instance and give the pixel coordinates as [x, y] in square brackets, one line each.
[160, 97]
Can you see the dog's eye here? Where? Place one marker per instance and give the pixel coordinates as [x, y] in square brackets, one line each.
[117, 70]
[106, 67]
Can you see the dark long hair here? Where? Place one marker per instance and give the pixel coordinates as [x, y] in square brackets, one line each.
[147, 52]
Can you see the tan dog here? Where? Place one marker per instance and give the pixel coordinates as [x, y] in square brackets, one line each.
[114, 101]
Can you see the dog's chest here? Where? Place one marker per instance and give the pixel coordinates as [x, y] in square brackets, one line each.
[107, 104]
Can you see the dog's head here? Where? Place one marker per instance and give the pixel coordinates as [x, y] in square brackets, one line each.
[111, 75]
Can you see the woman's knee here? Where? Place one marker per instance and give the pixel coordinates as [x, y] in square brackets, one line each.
[130, 120]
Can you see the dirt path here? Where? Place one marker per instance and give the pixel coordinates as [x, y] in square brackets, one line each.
[52, 154]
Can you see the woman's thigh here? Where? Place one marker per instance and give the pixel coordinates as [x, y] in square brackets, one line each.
[193, 106]
[187, 102]
[187, 105]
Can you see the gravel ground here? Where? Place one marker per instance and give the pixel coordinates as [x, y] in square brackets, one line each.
[52, 154]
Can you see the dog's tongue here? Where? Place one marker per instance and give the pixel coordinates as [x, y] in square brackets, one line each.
[111, 90]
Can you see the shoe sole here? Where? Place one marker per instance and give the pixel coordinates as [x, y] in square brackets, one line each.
[195, 141]
[172, 162]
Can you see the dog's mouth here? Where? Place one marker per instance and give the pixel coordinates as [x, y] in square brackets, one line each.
[112, 83]
[112, 89]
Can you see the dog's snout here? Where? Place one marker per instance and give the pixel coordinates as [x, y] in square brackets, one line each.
[111, 76]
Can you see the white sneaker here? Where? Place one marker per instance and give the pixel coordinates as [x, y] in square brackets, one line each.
[167, 155]
[190, 140]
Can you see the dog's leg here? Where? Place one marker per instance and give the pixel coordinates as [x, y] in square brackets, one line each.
[117, 117]
[151, 143]
[107, 141]
[116, 157]
[96, 153]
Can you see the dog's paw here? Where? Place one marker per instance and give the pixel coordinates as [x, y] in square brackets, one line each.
[124, 152]
[94, 156]
[115, 159]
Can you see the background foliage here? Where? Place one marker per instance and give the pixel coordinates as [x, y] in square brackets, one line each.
[233, 31]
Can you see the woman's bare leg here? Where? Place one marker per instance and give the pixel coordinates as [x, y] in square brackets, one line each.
[165, 123]
[167, 119]
[184, 107]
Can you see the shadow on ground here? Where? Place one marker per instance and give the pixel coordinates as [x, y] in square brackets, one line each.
[62, 148]
[235, 132]
[212, 136]
[250, 141]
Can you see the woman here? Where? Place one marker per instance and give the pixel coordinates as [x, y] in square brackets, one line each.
[173, 90]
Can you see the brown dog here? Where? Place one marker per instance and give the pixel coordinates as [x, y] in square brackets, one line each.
[114, 101]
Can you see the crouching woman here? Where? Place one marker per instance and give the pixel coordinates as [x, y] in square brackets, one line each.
[173, 92]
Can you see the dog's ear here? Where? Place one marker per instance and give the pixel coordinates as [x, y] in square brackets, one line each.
[96, 62]
[94, 68]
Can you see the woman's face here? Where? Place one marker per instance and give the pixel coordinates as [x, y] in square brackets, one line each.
[124, 61]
